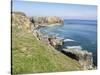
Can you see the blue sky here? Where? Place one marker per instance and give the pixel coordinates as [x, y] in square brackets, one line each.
[68, 11]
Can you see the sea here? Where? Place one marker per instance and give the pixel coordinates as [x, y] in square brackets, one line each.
[76, 33]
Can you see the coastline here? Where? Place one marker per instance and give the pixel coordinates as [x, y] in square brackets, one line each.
[57, 42]
[79, 53]
[51, 25]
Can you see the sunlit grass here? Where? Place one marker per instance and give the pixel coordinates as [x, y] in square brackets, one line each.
[30, 55]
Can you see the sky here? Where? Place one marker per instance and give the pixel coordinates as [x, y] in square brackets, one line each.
[68, 11]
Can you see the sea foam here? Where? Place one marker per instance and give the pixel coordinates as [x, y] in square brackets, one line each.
[74, 47]
[68, 40]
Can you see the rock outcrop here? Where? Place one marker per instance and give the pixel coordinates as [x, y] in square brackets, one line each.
[46, 20]
[21, 21]
[84, 57]
[50, 40]
[54, 19]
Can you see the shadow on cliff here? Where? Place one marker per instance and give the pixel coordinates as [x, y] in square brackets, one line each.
[73, 56]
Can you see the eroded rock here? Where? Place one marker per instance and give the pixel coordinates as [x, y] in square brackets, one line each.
[46, 20]
[21, 21]
[84, 57]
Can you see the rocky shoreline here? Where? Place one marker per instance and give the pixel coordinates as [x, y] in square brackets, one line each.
[84, 57]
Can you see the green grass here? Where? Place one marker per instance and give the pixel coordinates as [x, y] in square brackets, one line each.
[30, 55]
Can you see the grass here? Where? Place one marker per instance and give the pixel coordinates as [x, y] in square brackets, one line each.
[30, 55]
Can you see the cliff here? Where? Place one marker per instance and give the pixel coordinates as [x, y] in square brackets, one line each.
[84, 57]
[21, 21]
[46, 20]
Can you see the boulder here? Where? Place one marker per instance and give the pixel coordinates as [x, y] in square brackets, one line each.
[55, 42]
[84, 57]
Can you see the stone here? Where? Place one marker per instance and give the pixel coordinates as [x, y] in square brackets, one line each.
[21, 21]
[84, 57]
[46, 20]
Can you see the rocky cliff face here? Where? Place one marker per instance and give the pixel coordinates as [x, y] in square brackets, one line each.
[20, 20]
[86, 60]
[48, 20]
[84, 57]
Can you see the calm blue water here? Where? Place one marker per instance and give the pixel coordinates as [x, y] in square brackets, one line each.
[82, 32]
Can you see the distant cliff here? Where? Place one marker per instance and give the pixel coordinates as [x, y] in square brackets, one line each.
[46, 20]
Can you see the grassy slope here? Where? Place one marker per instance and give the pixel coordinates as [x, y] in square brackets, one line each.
[30, 55]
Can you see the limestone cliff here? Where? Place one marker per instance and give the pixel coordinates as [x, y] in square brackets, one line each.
[46, 20]
[20, 20]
